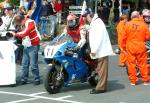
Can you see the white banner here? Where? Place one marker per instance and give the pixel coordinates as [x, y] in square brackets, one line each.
[7, 63]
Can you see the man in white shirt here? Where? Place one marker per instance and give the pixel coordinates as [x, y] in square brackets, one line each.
[100, 50]
[8, 18]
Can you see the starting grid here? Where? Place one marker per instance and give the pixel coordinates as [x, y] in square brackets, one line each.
[37, 96]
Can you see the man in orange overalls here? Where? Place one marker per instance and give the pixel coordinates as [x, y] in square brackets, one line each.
[133, 44]
[120, 29]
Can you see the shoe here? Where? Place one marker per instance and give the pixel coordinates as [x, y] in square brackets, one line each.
[36, 83]
[94, 91]
[122, 65]
[23, 82]
[133, 84]
[146, 83]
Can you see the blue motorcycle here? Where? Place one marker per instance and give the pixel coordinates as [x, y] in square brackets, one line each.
[66, 65]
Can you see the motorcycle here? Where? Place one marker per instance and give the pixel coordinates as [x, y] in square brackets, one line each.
[65, 65]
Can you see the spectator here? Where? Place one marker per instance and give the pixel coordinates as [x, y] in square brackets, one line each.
[145, 4]
[43, 19]
[143, 13]
[24, 3]
[146, 19]
[120, 29]
[4, 4]
[30, 8]
[58, 9]
[31, 47]
[132, 8]
[125, 7]
[106, 6]
[22, 10]
[8, 18]
[52, 17]
[133, 45]
[90, 3]
[116, 11]
[100, 50]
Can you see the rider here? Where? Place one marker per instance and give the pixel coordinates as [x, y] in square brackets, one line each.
[76, 29]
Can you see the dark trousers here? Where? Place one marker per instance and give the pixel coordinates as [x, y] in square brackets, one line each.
[19, 54]
[105, 15]
[116, 15]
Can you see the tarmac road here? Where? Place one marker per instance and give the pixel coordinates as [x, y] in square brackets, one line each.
[119, 90]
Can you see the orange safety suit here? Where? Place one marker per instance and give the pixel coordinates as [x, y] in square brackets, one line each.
[133, 40]
[120, 31]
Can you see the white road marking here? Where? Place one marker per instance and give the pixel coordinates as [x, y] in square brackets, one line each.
[39, 97]
[60, 98]
[122, 102]
[37, 93]
[23, 100]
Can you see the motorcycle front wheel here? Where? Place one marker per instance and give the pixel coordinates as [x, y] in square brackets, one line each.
[54, 79]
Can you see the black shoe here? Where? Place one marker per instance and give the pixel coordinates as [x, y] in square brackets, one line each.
[36, 83]
[23, 82]
[94, 91]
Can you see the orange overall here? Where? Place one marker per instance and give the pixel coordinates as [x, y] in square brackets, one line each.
[120, 29]
[133, 42]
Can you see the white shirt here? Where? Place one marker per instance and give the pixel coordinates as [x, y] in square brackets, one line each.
[7, 22]
[99, 39]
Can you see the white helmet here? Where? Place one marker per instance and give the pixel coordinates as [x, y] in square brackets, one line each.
[146, 16]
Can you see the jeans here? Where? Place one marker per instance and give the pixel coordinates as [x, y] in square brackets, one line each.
[30, 57]
[53, 24]
[43, 25]
[125, 11]
[59, 18]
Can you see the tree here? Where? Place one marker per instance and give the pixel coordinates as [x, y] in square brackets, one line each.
[15, 2]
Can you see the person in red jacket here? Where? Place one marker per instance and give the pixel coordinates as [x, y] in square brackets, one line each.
[76, 29]
[58, 8]
[31, 41]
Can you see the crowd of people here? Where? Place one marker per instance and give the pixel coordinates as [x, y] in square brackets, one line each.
[50, 11]
[132, 35]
